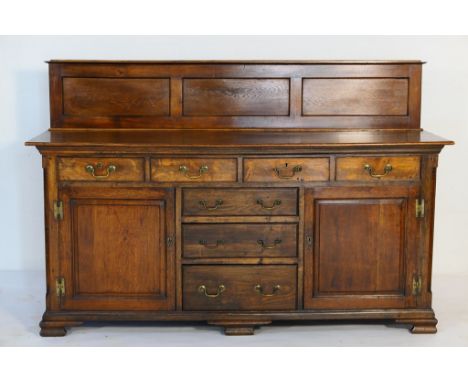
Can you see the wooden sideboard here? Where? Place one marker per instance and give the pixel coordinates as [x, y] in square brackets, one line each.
[238, 193]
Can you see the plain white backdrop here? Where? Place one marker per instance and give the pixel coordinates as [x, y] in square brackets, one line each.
[24, 113]
[446, 70]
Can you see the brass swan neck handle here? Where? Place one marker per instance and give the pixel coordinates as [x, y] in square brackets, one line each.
[92, 170]
[185, 171]
[276, 203]
[202, 289]
[259, 289]
[293, 173]
[387, 169]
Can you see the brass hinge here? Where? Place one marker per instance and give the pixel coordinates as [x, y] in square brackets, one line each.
[419, 208]
[417, 284]
[60, 286]
[58, 210]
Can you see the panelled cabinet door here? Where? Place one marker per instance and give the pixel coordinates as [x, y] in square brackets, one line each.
[116, 248]
[361, 247]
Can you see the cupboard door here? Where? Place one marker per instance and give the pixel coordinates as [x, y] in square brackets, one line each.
[113, 248]
[361, 247]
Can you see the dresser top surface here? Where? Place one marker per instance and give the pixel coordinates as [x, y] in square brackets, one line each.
[234, 139]
[245, 62]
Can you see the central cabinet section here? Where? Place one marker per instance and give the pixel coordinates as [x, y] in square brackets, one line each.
[239, 233]
[239, 248]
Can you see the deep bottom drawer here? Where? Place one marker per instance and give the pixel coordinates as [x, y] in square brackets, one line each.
[239, 287]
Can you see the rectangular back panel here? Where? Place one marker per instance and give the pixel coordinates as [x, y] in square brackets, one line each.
[106, 97]
[355, 96]
[242, 97]
[235, 95]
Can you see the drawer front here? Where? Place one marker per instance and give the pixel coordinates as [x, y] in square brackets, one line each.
[239, 240]
[377, 168]
[239, 287]
[102, 169]
[193, 170]
[286, 169]
[240, 202]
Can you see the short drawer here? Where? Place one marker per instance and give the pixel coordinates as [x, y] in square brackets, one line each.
[101, 169]
[239, 202]
[286, 169]
[194, 170]
[239, 240]
[377, 168]
[239, 287]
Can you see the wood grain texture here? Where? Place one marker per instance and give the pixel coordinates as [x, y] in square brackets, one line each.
[359, 256]
[371, 264]
[114, 253]
[241, 219]
[239, 282]
[240, 260]
[429, 165]
[239, 202]
[219, 95]
[403, 168]
[117, 247]
[115, 97]
[267, 141]
[52, 238]
[236, 97]
[218, 170]
[239, 240]
[126, 169]
[282, 169]
[355, 96]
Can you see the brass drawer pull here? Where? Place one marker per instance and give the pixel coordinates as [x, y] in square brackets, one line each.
[275, 204]
[202, 289]
[295, 170]
[109, 169]
[387, 169]
[266, 246]
[218, 203]
[258, 288]
[215, 245]
[184, 170]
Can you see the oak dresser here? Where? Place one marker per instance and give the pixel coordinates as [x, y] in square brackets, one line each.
[237, 193]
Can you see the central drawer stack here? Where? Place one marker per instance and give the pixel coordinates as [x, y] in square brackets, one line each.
[240, 245]
[228, 234]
